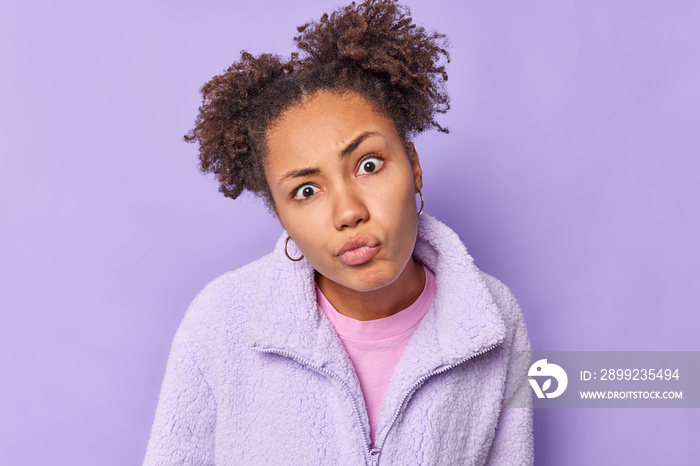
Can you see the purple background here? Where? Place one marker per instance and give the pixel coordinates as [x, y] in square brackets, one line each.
[570, 173]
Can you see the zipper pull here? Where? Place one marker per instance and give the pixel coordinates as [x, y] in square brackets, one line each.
[374, 454]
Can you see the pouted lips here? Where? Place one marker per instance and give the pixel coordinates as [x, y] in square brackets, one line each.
[359, 250]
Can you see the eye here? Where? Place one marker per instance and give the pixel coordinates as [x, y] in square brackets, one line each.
[304, 191]
[370, 165]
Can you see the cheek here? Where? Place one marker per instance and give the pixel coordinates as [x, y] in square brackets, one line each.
[308, 231]
[396, 199]
[396, 210]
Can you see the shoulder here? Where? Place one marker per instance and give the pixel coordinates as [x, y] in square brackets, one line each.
[219, 310]
[509, 309]
[501, 294]
[228, 288]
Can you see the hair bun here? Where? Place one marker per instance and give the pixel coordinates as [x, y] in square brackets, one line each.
[220, 126]
[379, 36]
[372, 48]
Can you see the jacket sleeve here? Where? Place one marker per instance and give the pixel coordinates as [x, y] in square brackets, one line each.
[514, 440]
[183, 429]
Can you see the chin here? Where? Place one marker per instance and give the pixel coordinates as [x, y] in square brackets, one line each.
[366, 281]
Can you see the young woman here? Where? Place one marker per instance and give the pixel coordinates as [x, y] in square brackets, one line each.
[368, 336]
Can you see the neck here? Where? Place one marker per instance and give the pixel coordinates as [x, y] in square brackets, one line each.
[377, 304]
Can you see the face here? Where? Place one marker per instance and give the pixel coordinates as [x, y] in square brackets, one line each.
[344, 188]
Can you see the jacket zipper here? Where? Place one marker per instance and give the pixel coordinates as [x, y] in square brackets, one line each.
[420, 382]
[369, 453]
[373, 454]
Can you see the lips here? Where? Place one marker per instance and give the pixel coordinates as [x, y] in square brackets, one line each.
[358, 250]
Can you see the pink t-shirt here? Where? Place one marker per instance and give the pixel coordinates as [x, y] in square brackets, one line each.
[375, 346]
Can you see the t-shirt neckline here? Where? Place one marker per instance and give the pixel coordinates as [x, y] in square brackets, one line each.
[385, 327]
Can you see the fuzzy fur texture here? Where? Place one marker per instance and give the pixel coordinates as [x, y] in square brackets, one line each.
[257, 374]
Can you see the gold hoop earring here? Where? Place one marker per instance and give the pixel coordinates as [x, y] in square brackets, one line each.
[285, 251]
[422, 203]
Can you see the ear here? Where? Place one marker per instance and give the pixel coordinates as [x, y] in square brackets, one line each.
[415, 165]
[279, 219]
[273, 209]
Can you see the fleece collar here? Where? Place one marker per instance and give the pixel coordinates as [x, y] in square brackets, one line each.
[462, 321]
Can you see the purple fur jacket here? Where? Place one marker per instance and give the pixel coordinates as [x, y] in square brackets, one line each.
[257, 374]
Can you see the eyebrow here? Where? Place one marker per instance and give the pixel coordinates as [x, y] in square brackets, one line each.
[299, 173]
[356, 142]
[348, 149]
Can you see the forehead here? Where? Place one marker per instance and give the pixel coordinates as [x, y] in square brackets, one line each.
[324, 123]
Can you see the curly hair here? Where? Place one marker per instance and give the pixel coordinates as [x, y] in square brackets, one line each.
[372, 48]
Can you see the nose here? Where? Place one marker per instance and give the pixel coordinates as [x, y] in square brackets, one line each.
[349, 209]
